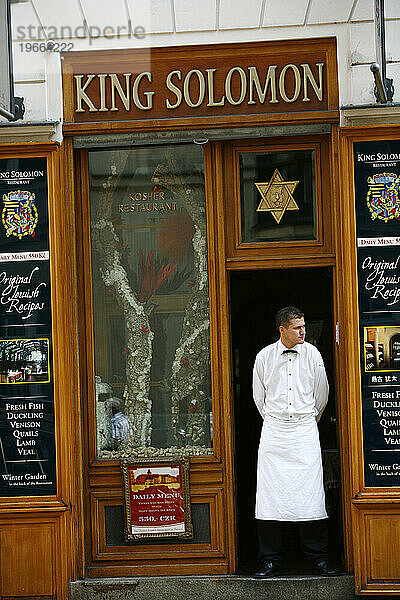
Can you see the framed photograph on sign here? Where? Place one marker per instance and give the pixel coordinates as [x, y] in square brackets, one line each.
[157, 501]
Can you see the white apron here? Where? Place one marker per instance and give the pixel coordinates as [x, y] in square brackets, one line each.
[289, 473]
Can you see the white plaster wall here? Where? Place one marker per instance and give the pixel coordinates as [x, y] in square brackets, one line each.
[185, 22]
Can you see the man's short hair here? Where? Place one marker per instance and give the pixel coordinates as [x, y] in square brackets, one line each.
[115, 404]
[285, 315]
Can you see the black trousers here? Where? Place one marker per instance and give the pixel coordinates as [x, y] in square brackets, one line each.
[313, 538]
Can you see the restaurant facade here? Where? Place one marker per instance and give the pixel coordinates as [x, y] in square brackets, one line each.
[196, 190]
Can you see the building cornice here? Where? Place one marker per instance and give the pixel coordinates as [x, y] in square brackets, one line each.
[17, 133]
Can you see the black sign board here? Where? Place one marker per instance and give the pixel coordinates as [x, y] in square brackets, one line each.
[27, 441]
[377, 196]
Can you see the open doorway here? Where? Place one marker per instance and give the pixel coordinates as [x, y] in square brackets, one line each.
[256, 296]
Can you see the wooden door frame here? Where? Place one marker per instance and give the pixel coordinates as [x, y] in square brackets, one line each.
[321, 255]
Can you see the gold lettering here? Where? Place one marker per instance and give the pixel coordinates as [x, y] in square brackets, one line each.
[167, 206]
[186, 88]
[297, 81]
[174, 89]
[102, 78]
[243, 86]
[155, 207]
[124, 96]
[255, 83]
[121, 208]
[210, 79]
[81, 95]
[308, 76]
[135, 92]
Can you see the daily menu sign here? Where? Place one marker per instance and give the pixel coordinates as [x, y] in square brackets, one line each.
[27, 442]
[377, 197]
[157, 501]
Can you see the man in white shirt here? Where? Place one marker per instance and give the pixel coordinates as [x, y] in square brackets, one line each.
[290, 389]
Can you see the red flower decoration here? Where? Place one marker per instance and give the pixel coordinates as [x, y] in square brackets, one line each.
[193, 406]
[144, 329]
[185, 360]
[149, 279]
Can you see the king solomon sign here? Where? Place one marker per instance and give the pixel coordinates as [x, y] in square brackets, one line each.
[198, 87]
[201, 81]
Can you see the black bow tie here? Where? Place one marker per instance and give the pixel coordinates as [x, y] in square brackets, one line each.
[289, 352]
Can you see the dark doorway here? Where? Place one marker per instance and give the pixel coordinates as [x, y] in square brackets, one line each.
[256, 296]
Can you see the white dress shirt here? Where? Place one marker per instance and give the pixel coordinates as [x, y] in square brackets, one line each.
[290, 386]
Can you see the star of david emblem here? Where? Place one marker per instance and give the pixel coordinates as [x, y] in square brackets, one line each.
[277, 196]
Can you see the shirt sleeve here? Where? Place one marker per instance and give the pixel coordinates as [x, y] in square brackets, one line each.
[321, 387]
[258, 384]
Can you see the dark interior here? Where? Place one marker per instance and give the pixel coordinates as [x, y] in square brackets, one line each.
[256, 296]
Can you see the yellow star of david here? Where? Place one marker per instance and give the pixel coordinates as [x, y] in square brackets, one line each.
[277, 196]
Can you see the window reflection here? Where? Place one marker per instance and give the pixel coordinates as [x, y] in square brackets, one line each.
[150, 301]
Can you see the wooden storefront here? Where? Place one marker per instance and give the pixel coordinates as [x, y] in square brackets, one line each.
[186, 133]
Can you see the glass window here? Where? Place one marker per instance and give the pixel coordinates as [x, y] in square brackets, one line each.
[150, 301]
[277, 191]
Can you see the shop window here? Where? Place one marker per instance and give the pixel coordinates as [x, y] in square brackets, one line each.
[150, 301]
[277, 196]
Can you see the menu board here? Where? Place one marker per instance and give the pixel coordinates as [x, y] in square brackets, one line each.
[27, 442]
[157, 499]
[377, 197]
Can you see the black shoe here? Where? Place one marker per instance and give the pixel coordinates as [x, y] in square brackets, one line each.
[268, 569]
[324, 569]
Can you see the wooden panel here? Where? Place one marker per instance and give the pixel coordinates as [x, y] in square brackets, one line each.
[27, 560]
[383, 543]
[376, 528]
[155, 552]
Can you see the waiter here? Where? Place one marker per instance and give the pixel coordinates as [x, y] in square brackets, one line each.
[290, 390]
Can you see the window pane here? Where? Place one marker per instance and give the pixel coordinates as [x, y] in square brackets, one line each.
[150, 301]
[277, 196]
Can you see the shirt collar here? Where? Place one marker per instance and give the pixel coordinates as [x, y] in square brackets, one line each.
[281, 347]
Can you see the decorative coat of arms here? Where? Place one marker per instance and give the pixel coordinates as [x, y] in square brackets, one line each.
[383, 196]
[20, 215]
